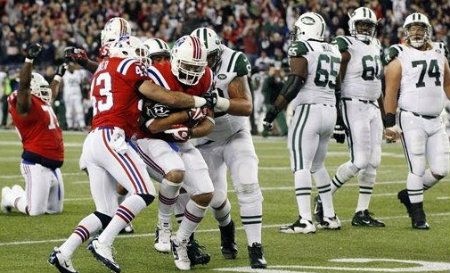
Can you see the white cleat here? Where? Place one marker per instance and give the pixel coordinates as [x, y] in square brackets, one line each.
[61, 262]
[180, 255]
[104, 254]
[300, 226]
[6, 203]
[332, 223]
[18, 190]
[162, 238]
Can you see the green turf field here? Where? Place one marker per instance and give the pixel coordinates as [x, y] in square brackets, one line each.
[26, 242]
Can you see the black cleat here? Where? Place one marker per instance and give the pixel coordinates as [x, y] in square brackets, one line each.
[364, 218]
[404, 199]
[418, 218]
[256, 255]
[197, 254]
[228, 242]
[318, 209]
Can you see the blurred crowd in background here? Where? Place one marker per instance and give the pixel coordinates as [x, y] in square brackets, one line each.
[260, 28]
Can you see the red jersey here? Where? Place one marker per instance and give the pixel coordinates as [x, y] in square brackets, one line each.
[39, 129]
[162, 75]
[115, 96]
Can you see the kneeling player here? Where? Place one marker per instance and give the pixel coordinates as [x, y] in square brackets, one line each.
[43, 149]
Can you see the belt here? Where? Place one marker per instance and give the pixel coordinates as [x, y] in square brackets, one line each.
[363, 101]
[419, 115]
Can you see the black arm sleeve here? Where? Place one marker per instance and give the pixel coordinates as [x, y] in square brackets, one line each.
[292, 86]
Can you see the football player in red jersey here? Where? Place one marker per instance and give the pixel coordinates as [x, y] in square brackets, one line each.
[43, 149]
[173, 160]
[117, 85]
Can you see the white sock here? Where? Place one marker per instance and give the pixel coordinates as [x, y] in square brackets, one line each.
[366, 180]
[303, 193]
[251, 217]
[414, 185]
[222, 214]
[168, 194]
[124, 215]
[343, 174]
[180, 205]
[88, 226]
[193, 214]
[429, 180]
[323, 183]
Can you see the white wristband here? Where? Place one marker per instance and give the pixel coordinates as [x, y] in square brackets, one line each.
[222, 104]
[28, 60]
[199, 101]
[147, 124]
[57, 78]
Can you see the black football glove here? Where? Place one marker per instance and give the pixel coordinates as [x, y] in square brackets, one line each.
[33, 51]
[271, 115]
[155, 110]
[61, 70]
[211, 99]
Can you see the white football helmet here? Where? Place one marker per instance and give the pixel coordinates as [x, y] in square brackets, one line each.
[366, 31]
[417, 18]
[157, 47]
[188, 60]
[115, 29]
[212, 43]
[309, 25]
[40, 87]
[130, 47]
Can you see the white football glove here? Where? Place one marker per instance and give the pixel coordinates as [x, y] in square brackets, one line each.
[181, 133]
[118, 142]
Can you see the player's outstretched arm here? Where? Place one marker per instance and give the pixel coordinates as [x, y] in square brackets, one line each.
[240, 102]
[79, 55]
[170, 98]
[447, 80]
[57, 80]
[24, 93]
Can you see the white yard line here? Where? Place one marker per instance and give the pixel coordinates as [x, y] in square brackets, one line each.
[15, 243]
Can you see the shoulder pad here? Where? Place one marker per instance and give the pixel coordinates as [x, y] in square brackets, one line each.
[342, 42]
[443, 48]
[299, 48]
[242, 66]
[394, 52]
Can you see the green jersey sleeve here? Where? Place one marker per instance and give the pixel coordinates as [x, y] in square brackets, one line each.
[342, 42]
[242, 66]
[298, 49]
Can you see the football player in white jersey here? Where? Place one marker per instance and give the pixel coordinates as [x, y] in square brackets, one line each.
[311, 87]
[419, 70]
[72, 82]
[230, 146]
[360, 90]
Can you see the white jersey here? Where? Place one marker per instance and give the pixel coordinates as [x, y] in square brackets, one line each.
[72, 82]
[323, 68]
[362, 77]
[233, 64]
[421, 86]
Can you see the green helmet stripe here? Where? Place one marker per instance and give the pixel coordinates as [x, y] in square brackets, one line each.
[414, 16]
[205, 38]
[418, 14]
[198, 32]
[364, 9]
[159, 43]
[323, 23]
